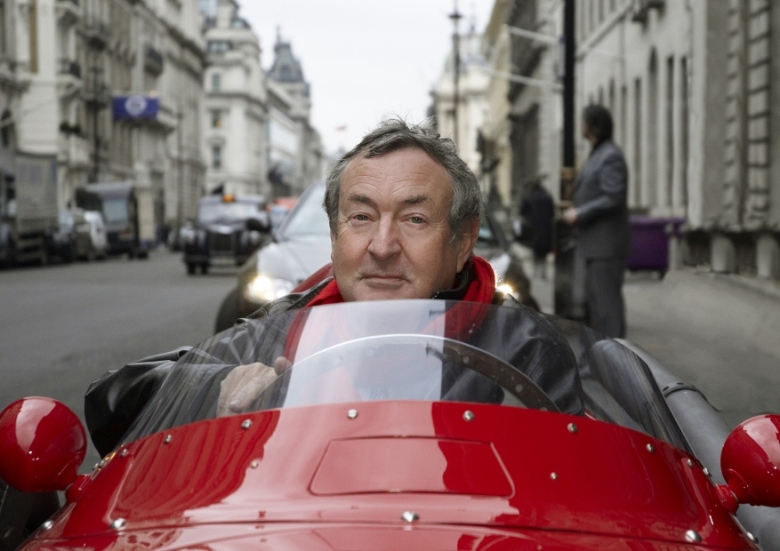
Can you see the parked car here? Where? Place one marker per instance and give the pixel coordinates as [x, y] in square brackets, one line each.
[219, 234]
[98, 240]
[372, 440]
[302, 245]
[71, 240]
[121, 204]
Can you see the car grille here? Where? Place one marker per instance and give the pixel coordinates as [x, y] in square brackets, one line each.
[221, 244]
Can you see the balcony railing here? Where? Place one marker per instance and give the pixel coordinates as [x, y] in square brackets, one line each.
[153, 60]
[97, 32]
[69, 67]
[642, 9]
[68, 10]
[97, 94]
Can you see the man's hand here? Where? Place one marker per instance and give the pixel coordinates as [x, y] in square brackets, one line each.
[570, 215]
[244, 383]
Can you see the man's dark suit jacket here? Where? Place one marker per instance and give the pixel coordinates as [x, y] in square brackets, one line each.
[600, 199]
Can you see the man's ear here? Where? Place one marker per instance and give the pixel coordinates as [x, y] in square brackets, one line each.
[467, 242]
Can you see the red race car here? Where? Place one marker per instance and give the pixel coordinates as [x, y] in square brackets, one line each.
[409, 425]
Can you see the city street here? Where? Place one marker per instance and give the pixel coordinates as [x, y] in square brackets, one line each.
[65, 325]
[714, 332]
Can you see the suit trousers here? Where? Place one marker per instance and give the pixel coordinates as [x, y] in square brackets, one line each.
[604, 295]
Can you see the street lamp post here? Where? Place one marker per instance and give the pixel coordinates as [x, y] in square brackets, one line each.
[567, 300]
[455, 16]
[95, 123]
[180, 179]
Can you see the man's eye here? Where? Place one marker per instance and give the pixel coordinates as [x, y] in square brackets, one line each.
[359, 217]
[417, 220]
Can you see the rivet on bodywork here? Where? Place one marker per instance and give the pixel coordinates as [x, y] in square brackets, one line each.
[689, 462]
[118, 523]
[352, 413]
[123, 453]
[410, 516]
[751, 537]
[254, 464]
[706, 471]
[468, 415]
[571, 427]
[246, 423]
[167, 439]
[553, 476]
[692, 536]
[650, 448]
[47, 525]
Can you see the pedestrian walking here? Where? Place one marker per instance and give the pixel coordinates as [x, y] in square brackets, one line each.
[538, 209]
[600, 219]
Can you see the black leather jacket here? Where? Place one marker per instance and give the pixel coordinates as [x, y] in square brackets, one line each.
[114, 402]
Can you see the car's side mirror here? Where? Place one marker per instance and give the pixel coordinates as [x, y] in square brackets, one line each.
[43, 444]
[750, 463]
[260, 222]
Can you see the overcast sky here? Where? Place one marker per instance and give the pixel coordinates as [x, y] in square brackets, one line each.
[363, 59]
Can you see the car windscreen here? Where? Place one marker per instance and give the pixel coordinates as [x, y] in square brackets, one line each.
[411, 350]
[115, 211]
[307, 217]
[212, 213]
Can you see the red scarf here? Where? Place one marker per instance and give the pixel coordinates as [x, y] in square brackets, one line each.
[480, 288]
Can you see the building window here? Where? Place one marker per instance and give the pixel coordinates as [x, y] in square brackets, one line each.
[216, 82]
[216, 118]
[219, 46]
[216, 157]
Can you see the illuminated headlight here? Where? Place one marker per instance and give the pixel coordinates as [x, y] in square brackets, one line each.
[507, 289]
[264, 289]
[255, 238]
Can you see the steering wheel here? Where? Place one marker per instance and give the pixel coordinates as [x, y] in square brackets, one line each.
[390, 353]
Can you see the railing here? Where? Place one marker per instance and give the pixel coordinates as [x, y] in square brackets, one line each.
[69, 67]
[97, 94]
[153, 60]
[98, 32]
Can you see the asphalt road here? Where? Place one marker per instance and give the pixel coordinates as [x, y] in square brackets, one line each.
[707, 331]
[63, 326]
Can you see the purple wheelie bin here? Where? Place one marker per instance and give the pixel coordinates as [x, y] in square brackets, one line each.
[650, 242]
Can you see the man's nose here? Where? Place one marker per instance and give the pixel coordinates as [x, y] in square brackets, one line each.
[385, 241]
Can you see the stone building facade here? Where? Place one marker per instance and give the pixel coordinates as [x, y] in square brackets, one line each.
[236, 116]
[296, 156]
[690, 87]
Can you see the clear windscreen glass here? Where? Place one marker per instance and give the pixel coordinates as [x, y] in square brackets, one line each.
[226, 212]
[409, 350]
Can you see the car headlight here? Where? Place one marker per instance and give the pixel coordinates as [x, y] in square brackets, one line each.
[264, 289]
[507, 289]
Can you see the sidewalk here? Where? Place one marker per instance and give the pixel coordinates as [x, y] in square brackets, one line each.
[718, 332]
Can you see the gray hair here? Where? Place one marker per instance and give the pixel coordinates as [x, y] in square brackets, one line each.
[394, 134]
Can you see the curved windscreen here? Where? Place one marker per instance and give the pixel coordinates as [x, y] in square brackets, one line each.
[409, 350]
[307, 217]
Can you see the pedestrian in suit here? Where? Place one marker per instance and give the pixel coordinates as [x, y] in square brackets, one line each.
[538, 209]
[600, 218]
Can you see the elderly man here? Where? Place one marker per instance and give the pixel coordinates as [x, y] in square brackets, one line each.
[404, 214]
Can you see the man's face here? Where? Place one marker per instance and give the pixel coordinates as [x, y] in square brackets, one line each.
[393, 236]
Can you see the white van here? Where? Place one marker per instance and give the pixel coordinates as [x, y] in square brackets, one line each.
[97, 233]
